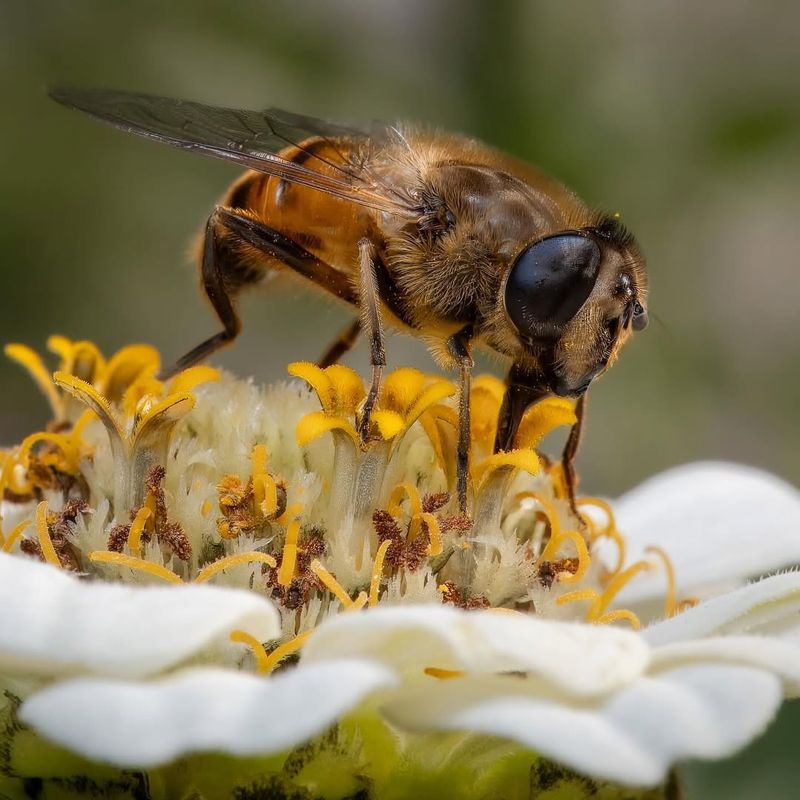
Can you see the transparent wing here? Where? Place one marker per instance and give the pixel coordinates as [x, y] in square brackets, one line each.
[250, 139]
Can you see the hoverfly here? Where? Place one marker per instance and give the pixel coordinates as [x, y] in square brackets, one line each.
[430, 232]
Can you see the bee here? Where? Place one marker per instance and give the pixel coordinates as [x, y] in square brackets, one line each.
[432, 233]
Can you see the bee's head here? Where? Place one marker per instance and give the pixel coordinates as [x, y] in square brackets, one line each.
[573, 299]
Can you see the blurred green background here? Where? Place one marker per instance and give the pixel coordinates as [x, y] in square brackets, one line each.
[683, 116]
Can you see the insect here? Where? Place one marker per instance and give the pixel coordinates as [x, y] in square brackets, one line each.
[432, 233]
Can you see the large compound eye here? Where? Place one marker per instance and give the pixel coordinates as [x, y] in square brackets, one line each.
[550, 281]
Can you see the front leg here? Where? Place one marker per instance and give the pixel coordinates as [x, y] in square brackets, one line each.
[523, 390]
[371, 324]
[459, 346]
[571, 451]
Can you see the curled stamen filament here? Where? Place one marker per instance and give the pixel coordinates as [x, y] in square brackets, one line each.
[234, 561]
[256, 648]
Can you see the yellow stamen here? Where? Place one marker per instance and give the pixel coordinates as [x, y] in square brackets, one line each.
[228, 562]
[443, 674]
[577, 596]
[289, 558]
[359, 602]
[258, 462]
[283, 650]
[137, 526]
[331, 584]
[205, 508]
[264, 487]
[291, 511]
[70, 462]
[31, 361]
[610, 531]
[434, 533]
[584, 559]
[619, 614]
[256, 648]
[16, 532]
[45, 542]
[549, 510]
[670, 601]
[377, 572]
[616, 584]
[139, 564]
[396, 497]
[689, 602]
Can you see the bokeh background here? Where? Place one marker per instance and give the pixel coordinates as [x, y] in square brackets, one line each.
[682, 116]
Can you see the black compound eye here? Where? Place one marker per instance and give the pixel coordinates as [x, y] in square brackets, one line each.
[550, 281]
[639, 317]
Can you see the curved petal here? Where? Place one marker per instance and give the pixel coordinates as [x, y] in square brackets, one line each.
[54, 623]
[580, 659]
[717, 521]
[774, 655]
[771, 604]
[699, 711]
[199, 710]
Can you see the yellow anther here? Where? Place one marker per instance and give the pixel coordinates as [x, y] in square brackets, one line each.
[228, 562]
[139, 564]
[414, 501]
[137, 527]
[289, 557]
[16, 532]
[434, 533]
[617, 582]
[443, 588]
[670, 601]
[377, 572]
[256, 648]
[285, 649]
[205, 508]
[619, 614]
[443, 674]
[45, 542]
[331, 584]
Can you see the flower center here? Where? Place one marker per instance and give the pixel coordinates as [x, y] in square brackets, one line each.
[210, 479]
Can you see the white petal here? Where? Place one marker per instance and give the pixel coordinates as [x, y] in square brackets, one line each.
[717, 521]
[202, 709]
[774, 655]
[55, 623]
[577, 658]
[769, 605]
[707, 711]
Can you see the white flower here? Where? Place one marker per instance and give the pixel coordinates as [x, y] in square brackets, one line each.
[388, 684]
